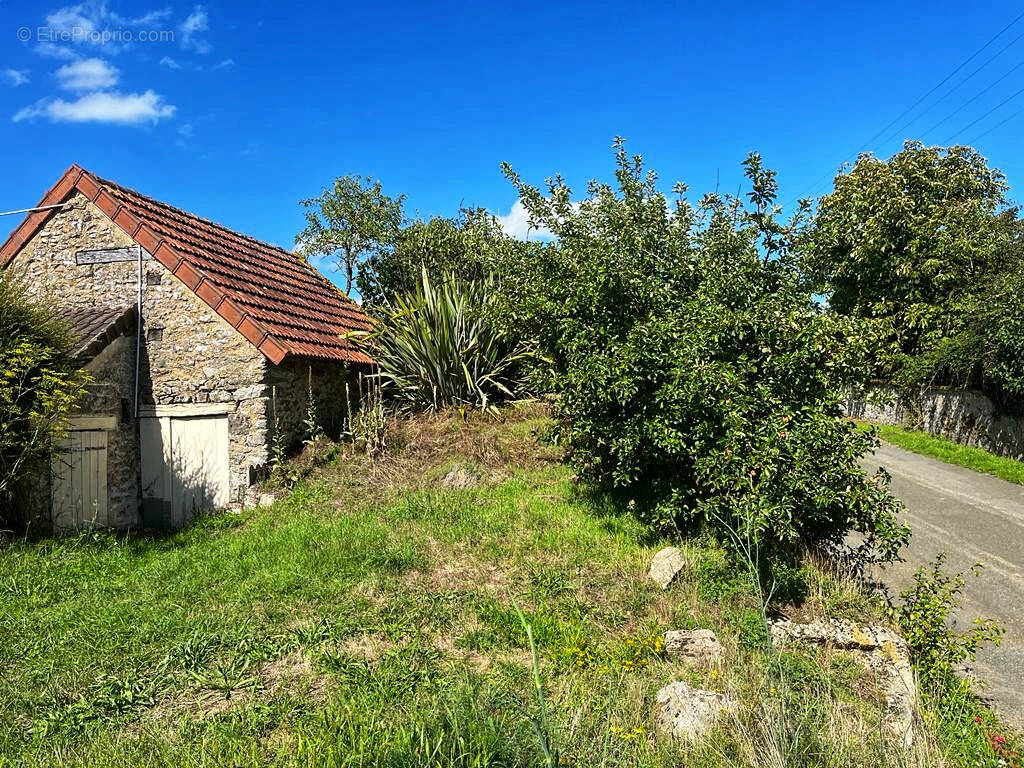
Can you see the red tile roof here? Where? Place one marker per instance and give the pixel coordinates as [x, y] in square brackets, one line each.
[280, 303]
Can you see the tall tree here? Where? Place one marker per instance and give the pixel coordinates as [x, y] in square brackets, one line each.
[349, 221]
[907, 241]
[466, 247]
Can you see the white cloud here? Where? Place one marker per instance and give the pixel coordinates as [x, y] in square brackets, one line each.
[516, 223]
[54, 51]
[112, 107]
[224, 64]
[81, 17]
[15, 77]
[94, 15]
[194, 25]
[87, 75]
[170, 63]
[185, 131]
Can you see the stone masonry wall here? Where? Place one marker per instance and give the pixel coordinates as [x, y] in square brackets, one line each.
[110, 394]
[190, 355]
[289, 383]
[965, 417]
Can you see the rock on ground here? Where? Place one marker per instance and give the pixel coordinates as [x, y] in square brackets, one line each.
[695, 646]
[666, 565]
[880, 649]
[460, 477]
[687, 713]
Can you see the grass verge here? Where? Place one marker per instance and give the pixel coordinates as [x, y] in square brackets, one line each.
[950, 452]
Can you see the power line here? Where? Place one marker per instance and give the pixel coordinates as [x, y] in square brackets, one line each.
[1000, 124]
[914, 106]
[974, 98]
[971, 124]
[938, 101]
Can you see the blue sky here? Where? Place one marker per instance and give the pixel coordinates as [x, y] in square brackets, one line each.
[236, 110]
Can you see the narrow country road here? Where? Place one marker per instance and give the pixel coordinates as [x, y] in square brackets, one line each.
[974, 518]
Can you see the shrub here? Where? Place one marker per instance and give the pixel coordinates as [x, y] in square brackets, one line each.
[439, 346]
[695, 374]
[925, 619]
[39, 385]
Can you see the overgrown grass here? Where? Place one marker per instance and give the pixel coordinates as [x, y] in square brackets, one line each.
[370, 618]
[945, 450]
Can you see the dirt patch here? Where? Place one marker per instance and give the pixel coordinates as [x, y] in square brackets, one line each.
[291, 673]
[462, 574]
[461, 477]
[368, 647]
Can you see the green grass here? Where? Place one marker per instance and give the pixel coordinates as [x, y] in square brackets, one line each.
[945, 450]
[370, 619]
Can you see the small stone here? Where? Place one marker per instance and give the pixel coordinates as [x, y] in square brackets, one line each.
[666, 565]
[460, 477]
[694, 646]
[266, 500]
[687, 713]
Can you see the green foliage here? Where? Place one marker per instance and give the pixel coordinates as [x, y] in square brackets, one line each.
[466, 247]
[913, 244]
[367, 427]
[349, 221]
[1000, 337]
[925, 619]
[39, 385]
[967, 729]
[695, 374]
[440, 346]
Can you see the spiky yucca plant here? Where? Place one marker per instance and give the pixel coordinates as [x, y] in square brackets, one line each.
[438, 347]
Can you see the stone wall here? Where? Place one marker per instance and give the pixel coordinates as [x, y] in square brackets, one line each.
[965, 417]
[189, 355]
[111, 394]
[290, 384]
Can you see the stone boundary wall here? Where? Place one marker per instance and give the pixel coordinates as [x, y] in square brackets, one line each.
[966, 417]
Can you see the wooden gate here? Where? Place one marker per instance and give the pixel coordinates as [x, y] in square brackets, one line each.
[78, 472]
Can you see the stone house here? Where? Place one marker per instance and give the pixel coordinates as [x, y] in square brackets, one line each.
[203, 344]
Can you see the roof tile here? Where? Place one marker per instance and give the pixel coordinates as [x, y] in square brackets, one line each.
[278, 301]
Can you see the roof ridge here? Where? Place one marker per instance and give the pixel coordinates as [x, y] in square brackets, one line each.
[176, 209]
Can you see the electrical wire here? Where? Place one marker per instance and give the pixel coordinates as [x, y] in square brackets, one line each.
[973, 123]
[942, 98]
[1000, 124]
[974, 98]
[814, 185]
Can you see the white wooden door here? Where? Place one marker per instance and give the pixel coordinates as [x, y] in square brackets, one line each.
[184, 466]
[78, 471]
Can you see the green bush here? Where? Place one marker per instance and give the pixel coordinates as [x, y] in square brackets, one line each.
[439, 346]
[38, 387]
[695, 374]
[925, 616]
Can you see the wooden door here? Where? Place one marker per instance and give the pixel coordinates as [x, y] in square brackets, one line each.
[79, 480]
[184, 467]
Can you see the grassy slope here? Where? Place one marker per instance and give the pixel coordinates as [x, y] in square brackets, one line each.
[369, 618]
[968, 456]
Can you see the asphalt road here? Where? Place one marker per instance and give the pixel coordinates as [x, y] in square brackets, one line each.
[973, 518]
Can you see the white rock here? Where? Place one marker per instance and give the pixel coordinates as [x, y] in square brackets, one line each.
[266, 500]
[687, 713]
[666, 565]
[878, 648]
[694, 646]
